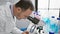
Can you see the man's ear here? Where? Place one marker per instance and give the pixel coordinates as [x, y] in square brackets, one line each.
[19, 9]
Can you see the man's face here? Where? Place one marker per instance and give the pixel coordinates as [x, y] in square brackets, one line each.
[21, 14]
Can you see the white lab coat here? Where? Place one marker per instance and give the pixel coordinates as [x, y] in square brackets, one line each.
[7, 23]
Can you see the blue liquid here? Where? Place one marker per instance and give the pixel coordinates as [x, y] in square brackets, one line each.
[54, 28]
[23, 29]
[46, 21]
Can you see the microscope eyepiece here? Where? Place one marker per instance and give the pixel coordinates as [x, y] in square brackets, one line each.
[33, 20]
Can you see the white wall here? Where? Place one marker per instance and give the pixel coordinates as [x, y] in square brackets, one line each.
[42, 3]
[43, 8]
[54, 3]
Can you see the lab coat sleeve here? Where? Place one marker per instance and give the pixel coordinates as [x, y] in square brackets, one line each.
[2, 25]
[16, 31]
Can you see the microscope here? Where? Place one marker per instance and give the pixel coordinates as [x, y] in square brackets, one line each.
[35, 21]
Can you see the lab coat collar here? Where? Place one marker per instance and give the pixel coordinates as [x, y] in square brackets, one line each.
[11, 8]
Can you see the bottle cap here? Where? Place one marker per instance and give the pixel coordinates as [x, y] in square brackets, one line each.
[58, 18]
[53, 16]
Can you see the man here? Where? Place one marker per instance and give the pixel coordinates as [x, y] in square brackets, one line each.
[9, 13]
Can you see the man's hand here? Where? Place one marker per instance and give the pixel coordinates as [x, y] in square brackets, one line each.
[26, 32]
